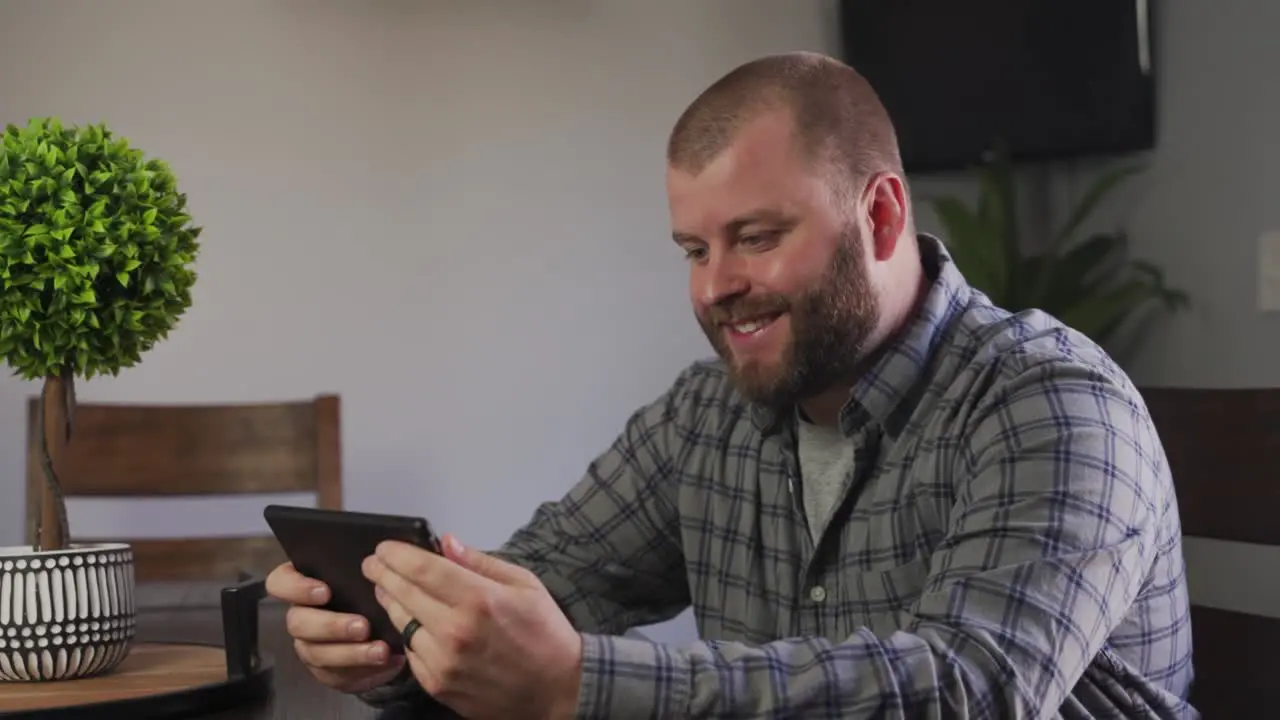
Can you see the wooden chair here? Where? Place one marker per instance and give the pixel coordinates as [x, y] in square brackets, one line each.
[1222, 450]
[121, 450]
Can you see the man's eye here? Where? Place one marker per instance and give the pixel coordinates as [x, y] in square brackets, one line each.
[760, 238]
[694, 253]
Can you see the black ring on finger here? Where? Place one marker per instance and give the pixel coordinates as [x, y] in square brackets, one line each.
[410, 628]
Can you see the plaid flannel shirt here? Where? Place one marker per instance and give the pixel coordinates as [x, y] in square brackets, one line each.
[1008, 545]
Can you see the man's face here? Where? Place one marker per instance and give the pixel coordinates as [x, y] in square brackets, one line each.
[777, 263]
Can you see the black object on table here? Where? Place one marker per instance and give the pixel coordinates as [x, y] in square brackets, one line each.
[293, 694]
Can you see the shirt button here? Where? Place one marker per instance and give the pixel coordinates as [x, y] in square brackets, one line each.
[817, 593]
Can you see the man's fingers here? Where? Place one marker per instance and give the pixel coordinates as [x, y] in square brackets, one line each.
[418, 600]
[397, 614]
[424, 641]
[338, 656]
[425, 676]
[426, 653]
[323, 626]
[438, 576]
[487, 565]
[287, 584]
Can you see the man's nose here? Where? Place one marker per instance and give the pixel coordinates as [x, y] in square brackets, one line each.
[721, 278]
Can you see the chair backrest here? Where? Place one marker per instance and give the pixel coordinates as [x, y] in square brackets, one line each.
[119, 450]
[1222, 446]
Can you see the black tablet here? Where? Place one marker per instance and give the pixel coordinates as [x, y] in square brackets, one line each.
[331, 545]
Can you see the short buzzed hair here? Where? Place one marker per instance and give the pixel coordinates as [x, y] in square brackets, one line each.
[839, 119]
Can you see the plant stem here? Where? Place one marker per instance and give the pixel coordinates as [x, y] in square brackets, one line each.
[54, 419]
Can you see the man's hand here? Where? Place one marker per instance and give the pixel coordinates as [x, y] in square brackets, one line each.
[335, 647]
[493, 642]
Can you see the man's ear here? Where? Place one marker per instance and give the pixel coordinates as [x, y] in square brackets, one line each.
[885, 214]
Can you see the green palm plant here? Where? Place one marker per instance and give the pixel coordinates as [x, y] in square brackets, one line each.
[1089, 284]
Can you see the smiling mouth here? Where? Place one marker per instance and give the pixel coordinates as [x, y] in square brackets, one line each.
[753, 325]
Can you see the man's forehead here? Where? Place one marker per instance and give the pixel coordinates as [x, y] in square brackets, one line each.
[757, 172]
[767, 140]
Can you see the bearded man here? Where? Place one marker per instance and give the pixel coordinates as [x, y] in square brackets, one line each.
[885, 498]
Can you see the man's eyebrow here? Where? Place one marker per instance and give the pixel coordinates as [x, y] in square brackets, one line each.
[763, 215]
[734, 226]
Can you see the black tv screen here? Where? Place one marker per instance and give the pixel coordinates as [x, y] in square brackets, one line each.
[1050, 79]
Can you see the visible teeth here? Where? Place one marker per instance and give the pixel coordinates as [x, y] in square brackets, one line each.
[747, 328]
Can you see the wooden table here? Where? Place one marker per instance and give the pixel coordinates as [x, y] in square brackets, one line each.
[296, 695]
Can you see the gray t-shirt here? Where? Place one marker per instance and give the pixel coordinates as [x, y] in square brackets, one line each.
[826, 460]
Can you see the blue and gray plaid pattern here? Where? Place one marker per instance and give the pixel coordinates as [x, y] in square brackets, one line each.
[1009, 546]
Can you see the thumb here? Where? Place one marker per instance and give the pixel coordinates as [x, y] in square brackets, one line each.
[482, 563]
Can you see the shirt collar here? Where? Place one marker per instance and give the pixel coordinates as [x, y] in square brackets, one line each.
[890, 389]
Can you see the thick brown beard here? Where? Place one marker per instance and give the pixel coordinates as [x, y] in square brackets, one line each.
[830, 325]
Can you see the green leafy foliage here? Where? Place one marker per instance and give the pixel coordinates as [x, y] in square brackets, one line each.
[96, 249]
[1089, 284]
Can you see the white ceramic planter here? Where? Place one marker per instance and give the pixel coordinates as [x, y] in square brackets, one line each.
[65, 614]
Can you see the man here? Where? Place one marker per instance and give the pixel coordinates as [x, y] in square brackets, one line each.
[887, 498]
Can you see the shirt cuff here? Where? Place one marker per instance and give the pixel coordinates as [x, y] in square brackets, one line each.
[625, 678]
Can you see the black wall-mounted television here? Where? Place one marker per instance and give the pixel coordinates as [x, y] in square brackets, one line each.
[1050, 79]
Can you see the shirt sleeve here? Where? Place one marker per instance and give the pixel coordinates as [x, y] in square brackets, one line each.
[609, 551]
[1052, 527]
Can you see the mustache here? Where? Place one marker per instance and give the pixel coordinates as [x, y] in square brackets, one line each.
[740, 309]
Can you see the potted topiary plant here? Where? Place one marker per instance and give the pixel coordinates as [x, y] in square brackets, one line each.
[96, 249]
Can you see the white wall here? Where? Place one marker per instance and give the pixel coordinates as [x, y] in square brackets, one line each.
[451, 212]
